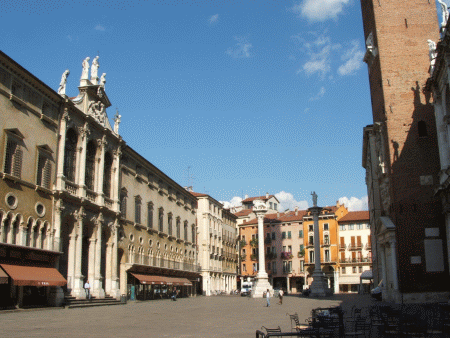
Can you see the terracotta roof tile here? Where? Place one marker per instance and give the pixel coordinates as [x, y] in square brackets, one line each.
[197, 194]
[355, 216]
[264, 198]
[284, 217]
[244, 212]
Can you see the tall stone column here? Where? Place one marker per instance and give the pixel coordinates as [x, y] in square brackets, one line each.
[115, 187]
[383, 271]
[59, 208]
[319, 285]
[97, 289]
[262, 279]
[101, 171]
[115, 290]
[78, 279]
[71, 259]
[60, 183]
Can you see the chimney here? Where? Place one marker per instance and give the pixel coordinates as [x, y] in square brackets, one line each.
[246, 196]
[296, 210]
[338, 204]
[267, 195]
[278, 214]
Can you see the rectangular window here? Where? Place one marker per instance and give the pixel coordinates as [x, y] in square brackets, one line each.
[289, 248]
[327, 256]
[268, 250]
[284, 248]
[283, 235]
[137, 210]
[302, 266]
[270, 205]
[311, 240]
[344, 270]
[289, 234]
[311, 227]
[273, 235]
[44, 171]
[359, 226]
[341, 227]
[367, 226]
[302, 247]
[351, 227]
[325, 226]
[123, 205]
[13, 158]
[275, 206]
[150, 215]
[354, 269]
[274, 267]
[244, 267]
[311, 256]
[360, 269]
[273, 250]
[300, 234]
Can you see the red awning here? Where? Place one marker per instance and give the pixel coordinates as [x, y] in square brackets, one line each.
[3, 277]
[33, 275]
[147, 279]
[181, 281]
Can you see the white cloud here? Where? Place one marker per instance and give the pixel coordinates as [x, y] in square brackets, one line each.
[320, 10]
[320, 94]
[319, 61]
[353, 58]
[355, 204]
[241, 49]
[213, 18]
[234, 202]
[287, 201]
[99, 28]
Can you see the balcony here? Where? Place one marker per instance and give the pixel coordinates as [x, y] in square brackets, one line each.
[254, 242]
[355, 260]
[254, 257]
[326, 243]
[342, 247]
[286, 255]
[271, 255]
[310, 245]
[355, 246]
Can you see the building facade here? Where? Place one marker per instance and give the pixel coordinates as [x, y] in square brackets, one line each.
[217, 233]
[355, 251]
[400, 152]
[91, 206]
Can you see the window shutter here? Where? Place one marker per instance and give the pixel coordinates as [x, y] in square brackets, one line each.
[17, 167]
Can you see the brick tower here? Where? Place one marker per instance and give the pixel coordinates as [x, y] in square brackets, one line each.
[400, 152]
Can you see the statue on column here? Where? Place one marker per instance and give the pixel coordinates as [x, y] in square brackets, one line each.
[85, 72]
[444, 9]
[62, 84]
[117, 122]
[432, 51]
[314, 197]
[94, 70]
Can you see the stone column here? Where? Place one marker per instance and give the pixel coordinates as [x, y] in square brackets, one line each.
[108, 268]
[22, 236]
[384, 272]
[2, 229]
[84, 132]
[394, 264]
[60, 183]
[115, 290]
[288, 284]
[115, 186]
[59, 208]
[319, 285]
[71, 259]
[262, 279]
[101, 171]
[9, 235]
[91, 262]
[78, 290]
[97, 289]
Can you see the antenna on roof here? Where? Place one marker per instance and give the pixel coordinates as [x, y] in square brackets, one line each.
[189, 177]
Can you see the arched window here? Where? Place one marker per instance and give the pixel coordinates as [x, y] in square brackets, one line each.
[70, 155]
[422, 128]
[107, 175]
[90, 165]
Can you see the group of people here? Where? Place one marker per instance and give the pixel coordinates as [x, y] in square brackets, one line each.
[280, 297]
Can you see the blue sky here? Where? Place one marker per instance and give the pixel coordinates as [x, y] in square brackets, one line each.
[252, 96]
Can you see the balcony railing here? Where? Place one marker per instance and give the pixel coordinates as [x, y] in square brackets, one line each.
[355, 260]
[342, 246]
[271, 255]
[286, 255]
[355, 246]
[253, 257]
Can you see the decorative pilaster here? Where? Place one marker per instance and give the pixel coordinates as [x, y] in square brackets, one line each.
[78, 279]
[115, 189]
[71, 259]
[101, 170]
[59, 208]
[115, 291]
[60, 183]
[319, 286]
[84, 132]
[262, 279]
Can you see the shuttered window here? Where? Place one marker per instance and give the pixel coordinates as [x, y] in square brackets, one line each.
[13, 158]
[44, 171]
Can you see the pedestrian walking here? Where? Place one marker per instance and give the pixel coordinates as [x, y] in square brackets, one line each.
[174, 294]
[280, 295]
[87, 289]
[267, 297]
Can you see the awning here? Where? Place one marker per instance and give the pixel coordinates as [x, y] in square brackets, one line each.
[33, 275]
[3, 277]
[180, 281]
[366, 275]
[147, 279]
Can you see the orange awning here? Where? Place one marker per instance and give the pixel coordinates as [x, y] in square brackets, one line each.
[147, 279]
[33, 275]
[3, 277]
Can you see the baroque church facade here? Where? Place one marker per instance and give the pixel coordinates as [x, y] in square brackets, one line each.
[78, 201]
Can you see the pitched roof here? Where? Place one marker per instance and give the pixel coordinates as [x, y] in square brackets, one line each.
[264, 198]
[198, 194]
[355, 216]
[244, 212]
[284, 217]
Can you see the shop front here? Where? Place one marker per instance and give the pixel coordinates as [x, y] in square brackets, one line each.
[28, 277]
[151, 285]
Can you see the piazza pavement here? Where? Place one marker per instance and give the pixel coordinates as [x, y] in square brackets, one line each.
[215, 316]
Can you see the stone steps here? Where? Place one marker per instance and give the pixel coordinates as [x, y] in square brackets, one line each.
[72, 302]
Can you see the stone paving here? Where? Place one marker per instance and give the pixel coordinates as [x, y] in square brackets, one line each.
[216, 316]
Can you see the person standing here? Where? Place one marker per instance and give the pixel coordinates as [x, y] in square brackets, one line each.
[87, 289]
[280, 295]
[267, 297]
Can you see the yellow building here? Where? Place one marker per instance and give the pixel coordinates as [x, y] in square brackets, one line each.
[329, 244]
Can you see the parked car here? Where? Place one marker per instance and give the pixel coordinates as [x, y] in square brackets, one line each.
[246, 289]
[377, 292]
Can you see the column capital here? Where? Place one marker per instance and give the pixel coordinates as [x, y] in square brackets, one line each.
[79, 214]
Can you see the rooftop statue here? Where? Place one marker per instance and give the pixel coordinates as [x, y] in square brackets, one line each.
[62, 84]
[444, 9]
[94, 70]
[85, 72]
[314, 197]
[117, 122]
[103, 80]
